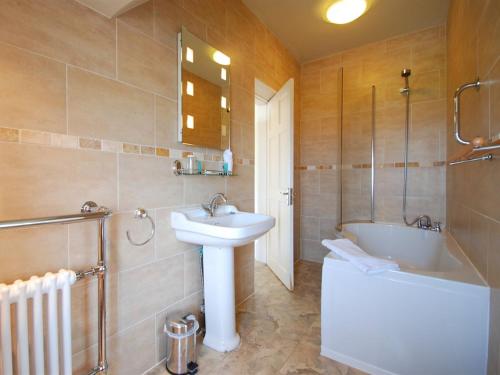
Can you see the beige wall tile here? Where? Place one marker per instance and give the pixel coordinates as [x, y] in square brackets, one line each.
[166, 123]
[35, 137]
[488, 38]
[103, 108]
[495, 101]
[317, 106]
[312, 251]
[327, 228]
[199, 189]
[147, 182]
[242, 106]
[9, 135]
[88, 143]
[309, 182]
[141, 18]
[66, 31]
[35, 186]
[416, 38]
[329, 181]
[169, 17]
[212, 12]
[84, 318]
[241, 188]
[131, 149]
[309, 229]
[192, 272]
[32, 251]
[493, 261]
[62, 140]
[166, 244]
[144, 290]
[479, 241]
[145, 63]
[130, 351]
[34, 90]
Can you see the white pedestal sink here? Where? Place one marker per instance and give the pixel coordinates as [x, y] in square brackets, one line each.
[219, 235]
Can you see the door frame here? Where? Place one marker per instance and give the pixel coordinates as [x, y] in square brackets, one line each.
[263, 94]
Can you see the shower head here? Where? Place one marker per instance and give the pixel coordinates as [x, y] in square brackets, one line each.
[405, 72]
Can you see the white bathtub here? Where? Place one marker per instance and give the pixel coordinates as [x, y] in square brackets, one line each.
[430, 318]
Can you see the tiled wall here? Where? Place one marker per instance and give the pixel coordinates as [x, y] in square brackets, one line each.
[88, 111]
[473, 190]
[377, 64]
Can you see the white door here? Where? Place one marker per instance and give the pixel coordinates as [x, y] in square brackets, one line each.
[280, 183]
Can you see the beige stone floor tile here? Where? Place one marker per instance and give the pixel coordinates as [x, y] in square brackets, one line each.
[305, 359]
[280, 330]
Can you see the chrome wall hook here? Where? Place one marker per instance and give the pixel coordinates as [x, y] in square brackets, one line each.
[141, 213]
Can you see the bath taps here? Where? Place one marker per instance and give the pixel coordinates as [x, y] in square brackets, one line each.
[212, 205]
[425, 222]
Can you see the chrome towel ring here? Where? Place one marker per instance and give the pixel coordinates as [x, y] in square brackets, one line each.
[141, 213]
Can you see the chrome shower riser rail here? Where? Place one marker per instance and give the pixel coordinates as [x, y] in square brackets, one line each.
[372, 172]
[406, 91]
[89, 212]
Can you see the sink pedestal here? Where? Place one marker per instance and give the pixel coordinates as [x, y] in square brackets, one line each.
[220, 312]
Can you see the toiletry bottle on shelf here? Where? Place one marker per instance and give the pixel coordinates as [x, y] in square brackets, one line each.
[228, 161]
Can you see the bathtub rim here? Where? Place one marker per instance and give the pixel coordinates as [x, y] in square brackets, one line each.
[467, 273]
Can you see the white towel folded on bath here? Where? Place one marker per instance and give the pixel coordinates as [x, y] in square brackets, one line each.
[357, 257]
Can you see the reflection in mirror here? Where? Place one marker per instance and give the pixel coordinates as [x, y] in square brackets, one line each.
[204, 101]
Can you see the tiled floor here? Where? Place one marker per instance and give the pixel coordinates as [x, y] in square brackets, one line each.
[280, 330]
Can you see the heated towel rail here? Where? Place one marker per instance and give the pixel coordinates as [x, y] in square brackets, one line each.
[90, 211]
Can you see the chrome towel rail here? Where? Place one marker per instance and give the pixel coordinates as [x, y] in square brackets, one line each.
[89, 211]
[480, 158]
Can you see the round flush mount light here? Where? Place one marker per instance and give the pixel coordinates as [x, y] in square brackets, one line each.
[345, 11]
[221, 58]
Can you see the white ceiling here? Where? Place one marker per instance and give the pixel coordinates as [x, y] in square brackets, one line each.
[300, 26]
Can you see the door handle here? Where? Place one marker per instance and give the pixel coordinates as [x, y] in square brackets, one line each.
[289, 194]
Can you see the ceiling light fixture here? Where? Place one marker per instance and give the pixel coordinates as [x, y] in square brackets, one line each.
[345, 11]
[221, 58]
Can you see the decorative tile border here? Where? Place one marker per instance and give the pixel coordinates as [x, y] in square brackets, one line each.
[27, 136]
[413, 164]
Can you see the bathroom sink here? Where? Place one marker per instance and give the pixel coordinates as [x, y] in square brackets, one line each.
[229, 227]
[219, 235]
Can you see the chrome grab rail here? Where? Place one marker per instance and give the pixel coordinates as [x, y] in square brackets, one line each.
[89, 211]
[456, 121]
[456, 108]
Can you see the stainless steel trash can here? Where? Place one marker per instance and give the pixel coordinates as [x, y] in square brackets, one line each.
[181, 345]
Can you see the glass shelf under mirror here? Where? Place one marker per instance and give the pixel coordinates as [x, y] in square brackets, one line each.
[179, 171]
[184, 172]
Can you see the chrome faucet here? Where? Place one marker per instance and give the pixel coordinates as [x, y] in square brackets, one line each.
[425, 222]
[212, 205]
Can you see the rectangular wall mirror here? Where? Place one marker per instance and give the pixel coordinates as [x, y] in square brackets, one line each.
[204, 101]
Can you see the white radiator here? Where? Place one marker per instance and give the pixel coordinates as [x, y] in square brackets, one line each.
[28, 334]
